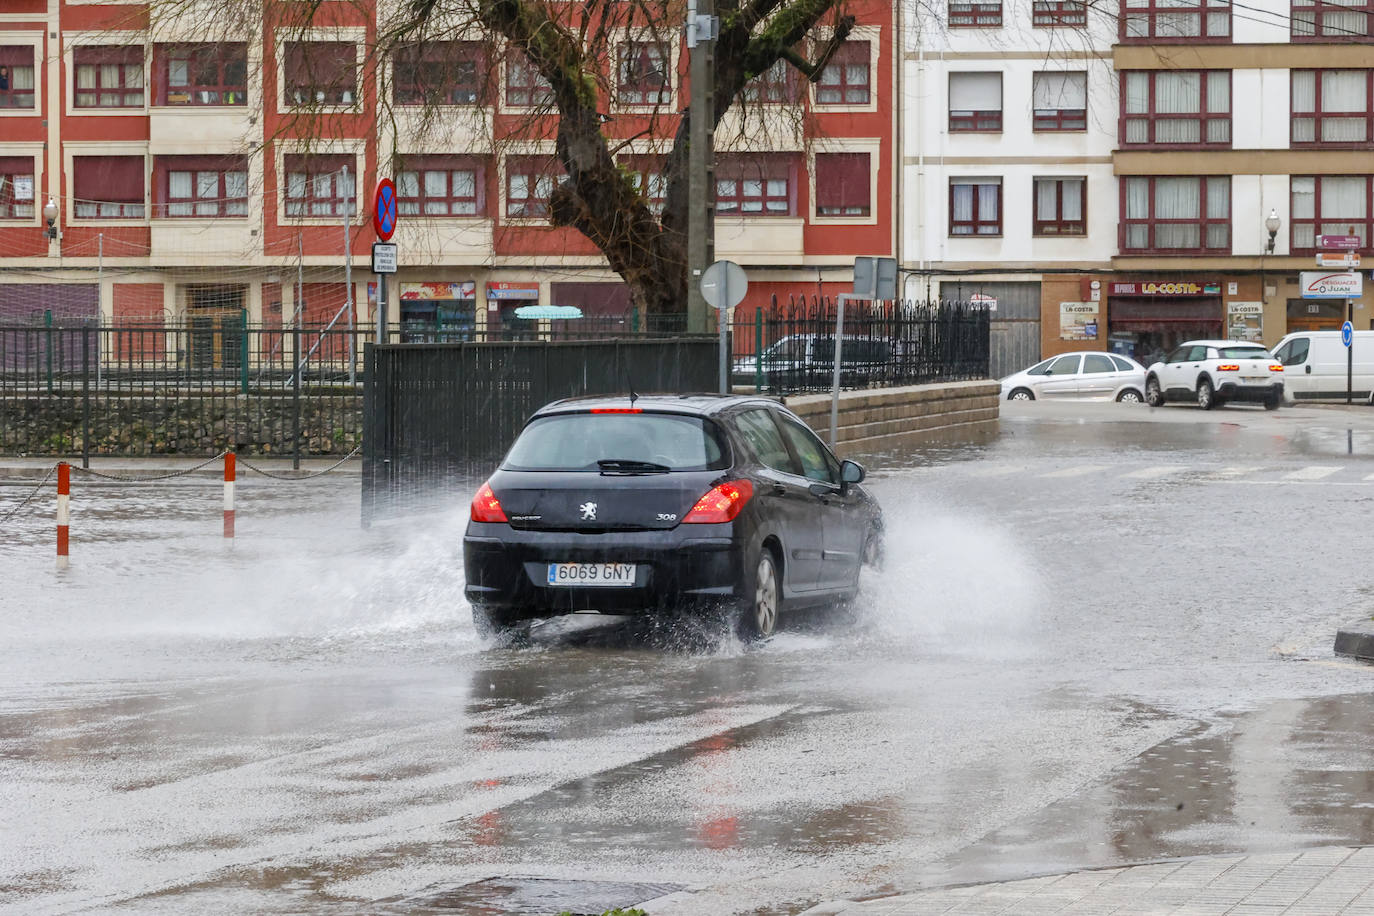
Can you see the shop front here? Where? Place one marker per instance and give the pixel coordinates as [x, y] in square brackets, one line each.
[503, 298]
[438, 312]
[1148, 318]
[1315, 314]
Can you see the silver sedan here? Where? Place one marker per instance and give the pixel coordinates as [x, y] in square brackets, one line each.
[1089, 375]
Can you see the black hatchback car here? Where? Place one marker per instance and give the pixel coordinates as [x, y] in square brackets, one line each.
[658, 503]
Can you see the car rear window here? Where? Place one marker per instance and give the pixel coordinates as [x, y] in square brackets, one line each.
[577, 441]
[1243, 353]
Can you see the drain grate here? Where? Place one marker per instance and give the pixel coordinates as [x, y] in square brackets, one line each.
[542, 896]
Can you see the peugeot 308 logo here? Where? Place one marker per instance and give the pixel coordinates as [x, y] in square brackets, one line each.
[588, 512]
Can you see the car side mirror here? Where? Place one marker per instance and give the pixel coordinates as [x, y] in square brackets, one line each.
[851, 472]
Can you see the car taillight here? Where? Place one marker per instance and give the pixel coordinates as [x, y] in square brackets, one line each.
[1229, 367]
[617, 410]
[1276, 368]
[721, 503]
[486, 507]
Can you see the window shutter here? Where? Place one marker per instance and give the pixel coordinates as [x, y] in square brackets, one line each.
[1059, 91]
[975, 91]
[110, 179]
[842, 181]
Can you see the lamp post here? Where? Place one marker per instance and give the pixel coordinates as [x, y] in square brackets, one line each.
[50, 217]
[1271, 225]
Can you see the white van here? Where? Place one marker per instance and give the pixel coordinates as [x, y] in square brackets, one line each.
[1314, 365]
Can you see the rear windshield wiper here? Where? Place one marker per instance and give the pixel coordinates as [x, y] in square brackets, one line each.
[632, 466]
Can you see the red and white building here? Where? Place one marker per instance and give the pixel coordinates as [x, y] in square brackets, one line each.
[196, 178]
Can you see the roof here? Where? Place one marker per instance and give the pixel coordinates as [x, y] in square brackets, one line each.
[696, 403]
[1222, 343]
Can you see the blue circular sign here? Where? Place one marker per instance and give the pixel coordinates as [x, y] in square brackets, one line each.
[1347, 333]
[384, 209]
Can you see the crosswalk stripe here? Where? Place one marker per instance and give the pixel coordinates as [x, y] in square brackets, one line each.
[1236, 471]
[1153, 473]
[1077, 471]
[998, 470]
[1312, 473]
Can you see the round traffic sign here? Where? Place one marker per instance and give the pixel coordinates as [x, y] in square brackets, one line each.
[384, 209]
[723, 285]
[1347, 333]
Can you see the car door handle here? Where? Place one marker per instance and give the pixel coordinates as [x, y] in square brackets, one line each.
[1308, 370]
[779, 490]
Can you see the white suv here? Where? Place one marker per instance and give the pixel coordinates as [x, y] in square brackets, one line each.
[1212, 372]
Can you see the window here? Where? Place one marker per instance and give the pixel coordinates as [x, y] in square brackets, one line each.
[525, 85]
[1121, 364]
[845, 79]
[319, 186]
[321, 73]
[108, 76]
[1176, 214]
[816, 461]
[439, 73]
[108, 187]
[1331, 20]
[530, 181]
[643, 73]
[966, 15]
[1064, 365]
[1175, 20]
[649, 180]
[1094, 363]
[1176, 107]
[1052, 14]
[440, 186]
[1331, 106]
[975, 102]
[16, 76]
[1328, 205]
[204, 187]
[1060, 206]
[16, 187]
[843, 184]
[777, 85]
[975, 206]
[203, 74]
[1060, 101]
[758, 429]
[754, 185]
[1294, 353]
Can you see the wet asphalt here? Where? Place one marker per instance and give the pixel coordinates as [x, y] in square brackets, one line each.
[1102, 636]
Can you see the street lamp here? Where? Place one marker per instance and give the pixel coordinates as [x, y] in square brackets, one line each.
[1272, 226]
[50, 216]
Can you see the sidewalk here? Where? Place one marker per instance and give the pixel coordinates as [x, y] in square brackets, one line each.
[1329, 881]
[20, 470]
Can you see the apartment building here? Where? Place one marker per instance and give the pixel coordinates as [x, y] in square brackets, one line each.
[197, 178]
[1113, 175]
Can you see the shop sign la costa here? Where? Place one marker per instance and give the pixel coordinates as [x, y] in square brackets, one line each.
[1166, 288]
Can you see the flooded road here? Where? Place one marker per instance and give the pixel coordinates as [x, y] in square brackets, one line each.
[1102, 637]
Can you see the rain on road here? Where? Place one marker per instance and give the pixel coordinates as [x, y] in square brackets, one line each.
[1103, 636]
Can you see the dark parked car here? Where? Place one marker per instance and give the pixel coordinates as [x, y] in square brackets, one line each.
[665, 502]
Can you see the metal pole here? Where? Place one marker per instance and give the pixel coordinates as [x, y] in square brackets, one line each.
[99, 299]
[243, 351]
[835, 381]
[701, 209]
[758, 349]
[1350, 353]
[381, 308]
[720, 323]
[348, 288]
[86, 395]
[296, 400]
[300, 279]
[47, 322]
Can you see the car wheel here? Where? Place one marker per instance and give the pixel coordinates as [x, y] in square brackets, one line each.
[873, 553]
[759, 618]
[1129, 396]
[1206, 398]
[1021, 394]
[1272, 403]
[1154, 395]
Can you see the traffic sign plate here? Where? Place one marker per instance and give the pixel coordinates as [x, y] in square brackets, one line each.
[384, 257]
[723, 284]
[1338, 259]
[1340, 242]
[384, 209]
[1347, 333]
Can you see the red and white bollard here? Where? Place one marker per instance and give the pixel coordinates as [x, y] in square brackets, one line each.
[230, 472]
[64, 495]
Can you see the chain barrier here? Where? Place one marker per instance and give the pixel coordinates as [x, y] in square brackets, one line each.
[139, 478]
[297, 476]
[41, 484]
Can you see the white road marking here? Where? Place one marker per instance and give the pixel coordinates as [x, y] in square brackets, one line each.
[1312, 473]
[1236, 472]
[1163, 470]
[1078, 471]
[998, 470]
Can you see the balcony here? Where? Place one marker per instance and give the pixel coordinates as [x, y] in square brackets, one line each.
[455, 129]
[443, 241]
[196, 242]
[195, 130]
[760, 239]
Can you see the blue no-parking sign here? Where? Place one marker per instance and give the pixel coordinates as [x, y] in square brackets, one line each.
[1347, 333]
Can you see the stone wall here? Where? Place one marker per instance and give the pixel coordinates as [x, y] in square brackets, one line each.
[189, 426]
[876, 420]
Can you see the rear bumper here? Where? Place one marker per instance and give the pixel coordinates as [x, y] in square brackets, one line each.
[1234, 391]
[507, 569]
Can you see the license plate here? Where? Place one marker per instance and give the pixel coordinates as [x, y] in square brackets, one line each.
[1256, 379]
[600, 575]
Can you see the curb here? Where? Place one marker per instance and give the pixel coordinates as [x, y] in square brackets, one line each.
[1356, 639]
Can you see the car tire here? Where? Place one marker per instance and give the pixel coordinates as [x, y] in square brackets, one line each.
[758, 618]
[1154, 395]
[874, 551]
[1129, 396]
[1021, 394]
[1206, 394]
[1272, 403]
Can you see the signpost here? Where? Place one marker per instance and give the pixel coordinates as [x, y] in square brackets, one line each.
[1348, 338]
[384, 222]
[723, 286]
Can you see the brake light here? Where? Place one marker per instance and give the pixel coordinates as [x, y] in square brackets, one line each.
[617, 410]
[1276, 368]
[1229, 367]
[486, 507]
[721, 503]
